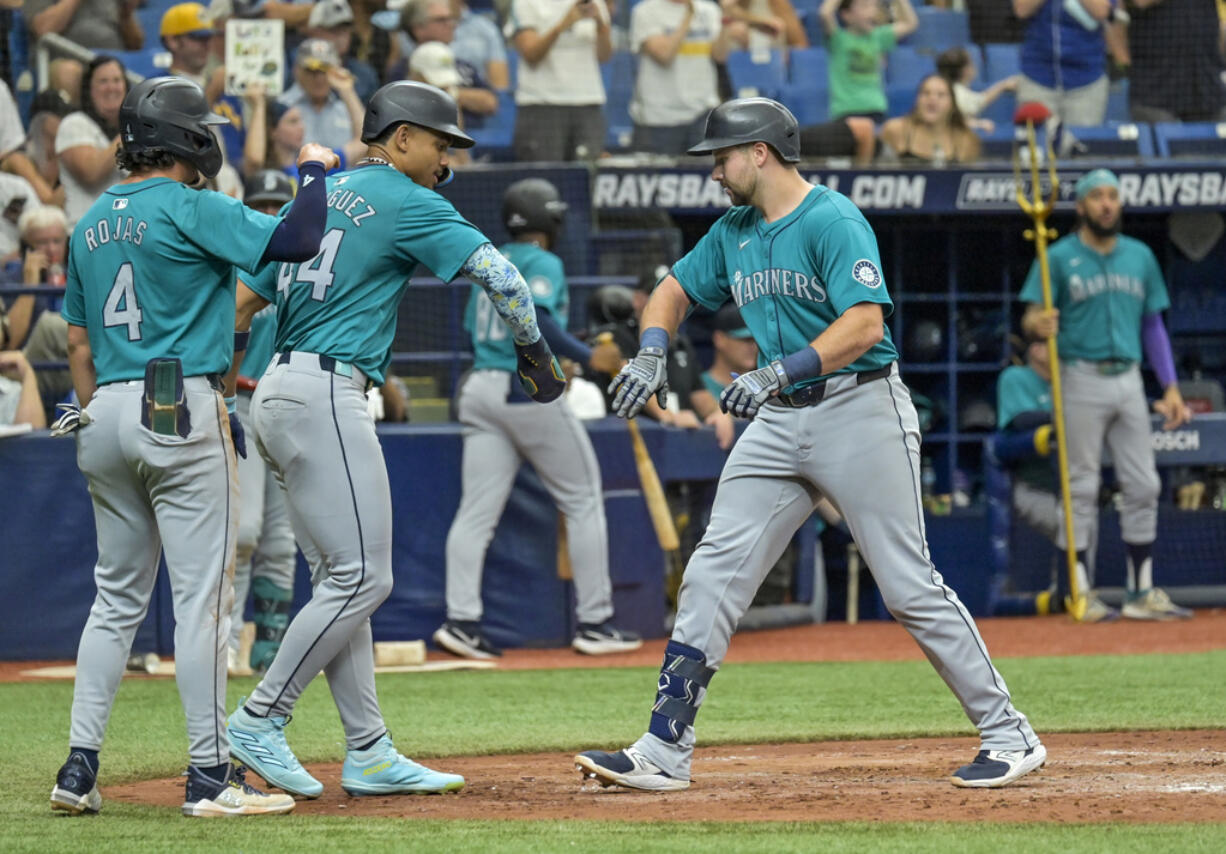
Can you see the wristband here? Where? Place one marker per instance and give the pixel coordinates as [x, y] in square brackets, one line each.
[804, 364]
[240, 340]
[231, 405]
[654, 336]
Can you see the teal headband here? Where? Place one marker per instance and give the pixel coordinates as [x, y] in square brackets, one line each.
[1095, 179]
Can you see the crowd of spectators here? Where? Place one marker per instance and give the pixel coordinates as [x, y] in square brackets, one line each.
[548, 61]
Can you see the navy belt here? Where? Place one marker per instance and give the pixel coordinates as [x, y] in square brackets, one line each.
[811, 395]
[329, 364]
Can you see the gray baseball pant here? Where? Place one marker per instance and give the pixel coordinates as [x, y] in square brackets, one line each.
[152, 493]
[859, 447]
[498, 436]
[314, 432]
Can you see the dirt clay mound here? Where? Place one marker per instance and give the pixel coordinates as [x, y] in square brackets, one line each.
[1098, 777]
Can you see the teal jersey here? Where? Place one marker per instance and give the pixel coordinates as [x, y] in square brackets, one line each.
[151, 276]
[712, 384]
[381, 225]
[793, 277]
[1019, 389]
[1101, 298]
[493, 346]
[263, 340]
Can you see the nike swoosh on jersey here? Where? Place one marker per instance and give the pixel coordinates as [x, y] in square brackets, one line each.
[744, 243]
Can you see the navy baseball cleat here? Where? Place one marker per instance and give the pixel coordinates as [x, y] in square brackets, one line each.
[464, 638]
[603, 639]
[992, 769]
[205, 797]
[627, 768]
[76, 787]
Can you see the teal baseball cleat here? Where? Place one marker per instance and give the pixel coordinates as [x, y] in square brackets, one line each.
[259, 743]
[382, 770]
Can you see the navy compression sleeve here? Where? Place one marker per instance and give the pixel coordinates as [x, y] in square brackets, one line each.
[297, 236]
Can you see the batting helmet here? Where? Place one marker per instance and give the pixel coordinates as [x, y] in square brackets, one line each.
[978, 414]
[268, 185]
[752, 120]
[925, 341]
[532, 204]
[418, 104]
[171, 114]
[610, 304]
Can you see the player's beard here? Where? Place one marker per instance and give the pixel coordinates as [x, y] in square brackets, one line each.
[1101, 231]
[739, 198]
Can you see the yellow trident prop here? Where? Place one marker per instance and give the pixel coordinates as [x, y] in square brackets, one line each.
[1038, 209]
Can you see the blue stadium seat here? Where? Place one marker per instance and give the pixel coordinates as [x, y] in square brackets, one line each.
[750, 77]
[900, 99]
[998, 145]
[619, 74]
[807, 66]
[1185, 139]
[1115, 139]
[1000, 61]
[905, 66]
[150, 62]
[809, 102]
[494, 133]
[1001, 110]
[940, 29]
[1117, 102]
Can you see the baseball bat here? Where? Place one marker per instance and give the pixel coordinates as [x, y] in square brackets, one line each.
[653, 492]
[565, 570]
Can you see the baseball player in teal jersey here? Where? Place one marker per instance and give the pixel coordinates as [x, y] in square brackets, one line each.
[1108, 296]
[336, 318]
[150, 308]
[265, 558]
[831, 419]
[502, 428]
[1024, 443]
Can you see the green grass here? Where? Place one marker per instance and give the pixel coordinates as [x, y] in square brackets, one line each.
[460, 713]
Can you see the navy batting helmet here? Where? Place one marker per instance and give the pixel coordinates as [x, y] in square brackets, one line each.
[268, 186]
[171, 114]
[532, 204]
[610, 304]
[418, 104]
[748, 120]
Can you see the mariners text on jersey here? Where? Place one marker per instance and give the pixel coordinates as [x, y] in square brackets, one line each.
[1084, 288]
[775, 282]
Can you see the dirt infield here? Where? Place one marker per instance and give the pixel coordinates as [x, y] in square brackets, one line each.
[1165, 776]
[1099, 777]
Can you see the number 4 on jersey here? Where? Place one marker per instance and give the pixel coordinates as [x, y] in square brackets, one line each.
[318, 271]
[121, 308]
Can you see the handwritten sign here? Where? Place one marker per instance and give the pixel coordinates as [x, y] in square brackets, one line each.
[255, 53]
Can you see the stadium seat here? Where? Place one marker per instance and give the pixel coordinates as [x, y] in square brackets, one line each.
[939, 29]
[1000, 61]
[906, 67]
[809, 102]
[1114, 139]
[150, 62]
[619, 74]
[808, 66]
[1117, 102]
[754, 74]
[1184, 139]
[494, 133]
[998, 145]
[899, 99]
[1001, 110]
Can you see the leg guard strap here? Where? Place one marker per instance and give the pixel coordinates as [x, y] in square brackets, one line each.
[683, 678]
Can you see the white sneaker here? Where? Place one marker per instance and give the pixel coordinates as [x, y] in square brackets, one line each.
[206, 798]
[627, 768]
[1153, 604]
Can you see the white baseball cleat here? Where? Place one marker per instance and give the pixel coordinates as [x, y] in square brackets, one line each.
[992, 769]
[627, 768]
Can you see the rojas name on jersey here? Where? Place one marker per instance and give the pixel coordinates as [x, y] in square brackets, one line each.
[125, 228]
[747, 287]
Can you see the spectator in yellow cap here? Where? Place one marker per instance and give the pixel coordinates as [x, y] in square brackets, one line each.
[187, 32]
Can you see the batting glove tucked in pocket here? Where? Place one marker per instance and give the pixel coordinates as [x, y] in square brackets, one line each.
[71, 419]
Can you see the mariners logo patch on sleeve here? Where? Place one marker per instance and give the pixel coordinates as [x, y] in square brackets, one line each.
[866, 273]
[540, 286]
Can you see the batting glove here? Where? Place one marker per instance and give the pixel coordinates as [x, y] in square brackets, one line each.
[539, 372]
[374, 404]
[237, 436]
[638, 380]
[72, 418]
[745, 395]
